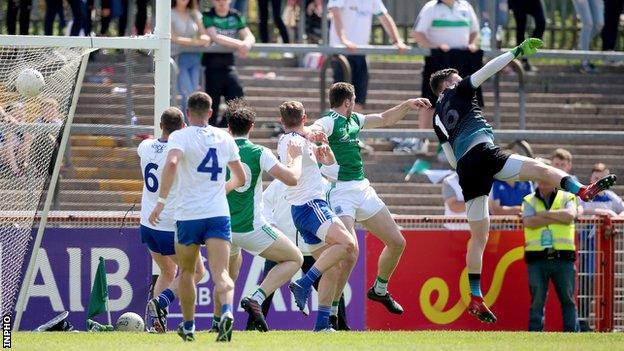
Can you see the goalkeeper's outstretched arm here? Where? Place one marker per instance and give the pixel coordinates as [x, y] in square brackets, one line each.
[527, 48]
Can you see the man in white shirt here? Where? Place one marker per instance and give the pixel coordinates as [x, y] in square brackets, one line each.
[444, 25]
[316, 222]
[198, 156]
[351, 26]
[159, 238]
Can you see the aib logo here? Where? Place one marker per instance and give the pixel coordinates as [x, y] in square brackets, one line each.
[159, 148]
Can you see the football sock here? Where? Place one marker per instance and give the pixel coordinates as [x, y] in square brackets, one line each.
[380, 286]
[189, 327]
[215, 321]
[259, 295]
[474, 279]
[334, 308]
[322, 318]
[570, 184]
[226, 308]
[166, 298]
[308, 280]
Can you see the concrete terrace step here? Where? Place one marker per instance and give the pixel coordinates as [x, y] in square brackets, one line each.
[123, 185]
[100, 196]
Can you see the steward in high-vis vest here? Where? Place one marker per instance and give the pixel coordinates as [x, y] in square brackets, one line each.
[548, 218]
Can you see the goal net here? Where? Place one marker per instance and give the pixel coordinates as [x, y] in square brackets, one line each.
[30, 133]
[69, 151]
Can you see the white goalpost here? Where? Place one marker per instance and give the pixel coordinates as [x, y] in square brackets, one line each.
[28, 195]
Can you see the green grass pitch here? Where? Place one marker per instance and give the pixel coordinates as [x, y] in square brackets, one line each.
[304, 341]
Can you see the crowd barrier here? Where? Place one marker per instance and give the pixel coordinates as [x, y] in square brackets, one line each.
[430, 281]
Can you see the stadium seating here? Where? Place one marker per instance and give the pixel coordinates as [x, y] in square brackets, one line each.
[107, 177]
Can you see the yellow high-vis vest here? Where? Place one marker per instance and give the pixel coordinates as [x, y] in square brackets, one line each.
[562, 235]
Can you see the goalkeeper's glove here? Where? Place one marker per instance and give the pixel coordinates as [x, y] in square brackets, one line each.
[527, 48]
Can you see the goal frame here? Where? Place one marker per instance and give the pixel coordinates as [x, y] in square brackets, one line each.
[160, 42]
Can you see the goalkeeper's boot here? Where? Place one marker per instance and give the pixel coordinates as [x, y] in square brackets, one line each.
[391, 305]
[158, 314]
[325, 330]
[225, 327]
[588, 192]
[254, 309]
[185, 334]
[301, 296]
[479, 309]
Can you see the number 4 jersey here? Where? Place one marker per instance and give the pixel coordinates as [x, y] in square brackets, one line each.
[200, 177]
[153, 154]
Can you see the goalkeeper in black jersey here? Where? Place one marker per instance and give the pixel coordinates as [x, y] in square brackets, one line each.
[468, 143]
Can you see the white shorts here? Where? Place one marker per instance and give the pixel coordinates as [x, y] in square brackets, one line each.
[254, 242]
[356, 199]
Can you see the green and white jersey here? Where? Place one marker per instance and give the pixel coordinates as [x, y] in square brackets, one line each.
[246, 201]
[343, 134]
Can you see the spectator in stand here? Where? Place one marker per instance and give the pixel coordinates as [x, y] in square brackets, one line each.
[276, 8]
[606, 203]
[225, 26]
[240, 6]
[562, 159]
[549, 231]
[612, 11]
[8, 163]
[443, 25]
[314, 15]
[591, 13]
[23, 7]
[501, 13]
[119, 9]
[187, 30]
[454, 205]
[53, 8]
[522, 8]
[16, 143]
[506, 197]
[351, 26]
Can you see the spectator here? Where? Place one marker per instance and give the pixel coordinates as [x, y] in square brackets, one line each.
[522, 8]
[8, 162]
[501, 12]
[81, 17]
[225, 26]
[351, 25]
[454, 205]
[549, 230]
[314, 16]
[443, 25]
[506, 197]
[119, 9]
[16, 143]
[53, 8]
[241, 6]
[591, 13]
[612, 11]
[276, 8]
[562, 159]
[187, 30]
[606, 203]
[23, 7]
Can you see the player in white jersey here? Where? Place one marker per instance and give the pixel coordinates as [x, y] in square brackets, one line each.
[159, 238]
[277, 212]
[250, 230]
[198, 156]
[312, 216]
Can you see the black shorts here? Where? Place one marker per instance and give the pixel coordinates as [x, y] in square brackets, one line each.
[476, 169]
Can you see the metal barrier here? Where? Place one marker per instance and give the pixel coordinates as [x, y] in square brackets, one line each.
[600, 263]
[618, 275]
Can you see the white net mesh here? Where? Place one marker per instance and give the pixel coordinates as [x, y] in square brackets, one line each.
[30, 129]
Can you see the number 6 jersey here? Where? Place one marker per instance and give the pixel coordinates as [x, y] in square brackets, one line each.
[200, 175]
[153, 154]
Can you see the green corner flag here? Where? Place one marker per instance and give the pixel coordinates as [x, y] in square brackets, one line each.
[98, 301]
